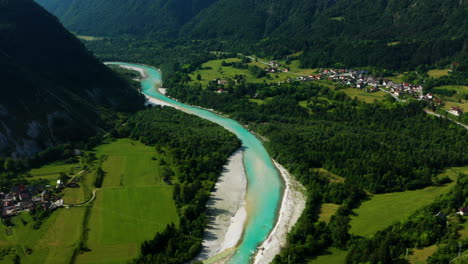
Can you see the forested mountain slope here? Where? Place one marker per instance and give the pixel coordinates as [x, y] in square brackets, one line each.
[125, 17]
[387, 33]
[52, 89]
[359, 32]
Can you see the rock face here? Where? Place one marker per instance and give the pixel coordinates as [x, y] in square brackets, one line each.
[52, 89]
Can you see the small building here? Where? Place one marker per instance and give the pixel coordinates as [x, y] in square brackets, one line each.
[463, 211]
[456, 111]
[222, 82]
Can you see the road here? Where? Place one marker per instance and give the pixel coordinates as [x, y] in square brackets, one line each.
[83, 203]
[74, 176]
[394, 96]
[439, 115]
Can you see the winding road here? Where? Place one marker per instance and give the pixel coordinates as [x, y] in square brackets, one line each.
[441, 116]
[84, 203]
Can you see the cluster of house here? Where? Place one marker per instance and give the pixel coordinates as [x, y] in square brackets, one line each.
[26, 198]
[274, 67]
[361, 80]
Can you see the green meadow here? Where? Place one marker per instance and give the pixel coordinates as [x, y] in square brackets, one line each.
[212, 70]
[364, 96]
[52, 172]
[330, 256]
[131, 207]
[438, 73]
[457, 100]
[327, 210]
[382, 210]
[54, 242]
[133, 204]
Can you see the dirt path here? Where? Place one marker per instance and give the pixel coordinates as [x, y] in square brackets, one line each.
[84, 203]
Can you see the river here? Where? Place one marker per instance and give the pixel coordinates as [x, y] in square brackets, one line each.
[264, 184]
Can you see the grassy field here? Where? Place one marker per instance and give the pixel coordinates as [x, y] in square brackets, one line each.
[331, 176]
[327, 211]
[214, 70]
[54, 242]
[437, 73]
[397, 79]
[132, 206]
[457, 99]
[383, 210]
[52, 172]
[294, 66]
[464, 105]
[464, 232]
[363, 96]
[258, 101]
[331, 256]
[419, 256]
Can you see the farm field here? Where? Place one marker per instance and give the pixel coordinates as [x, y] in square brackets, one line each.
[214, 70]
[294, 66]
[331, 256]
[397, 79]
[383, 210]
[327, 211]
[363, 96]
[51, 172]
[438, 73]
[458, 99]
[419, 256]
[133, 204]
[54, 242]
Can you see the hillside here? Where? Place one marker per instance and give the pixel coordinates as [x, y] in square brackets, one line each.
[122, 17]
[391, 34]
[53, 89]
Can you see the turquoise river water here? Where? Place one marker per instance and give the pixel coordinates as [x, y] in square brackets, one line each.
[264, 183]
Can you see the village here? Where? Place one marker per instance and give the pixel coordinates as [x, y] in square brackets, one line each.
[28, 198]
[360, 79]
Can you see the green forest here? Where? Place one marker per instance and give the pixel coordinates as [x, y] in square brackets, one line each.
[200, 151]
[377, 148]
[58, 97]
[387, 34]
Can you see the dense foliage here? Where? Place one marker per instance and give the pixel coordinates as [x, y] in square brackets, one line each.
[426, 227]
[155, 18]
[380, 147]
[50, 82]
[389, 34]
[200, 149]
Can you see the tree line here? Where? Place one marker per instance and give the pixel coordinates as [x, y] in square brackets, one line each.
[378, 148]
[199, 149]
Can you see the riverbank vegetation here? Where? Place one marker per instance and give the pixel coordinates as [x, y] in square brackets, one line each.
[377, 148]
[198, 153]
[157, 174]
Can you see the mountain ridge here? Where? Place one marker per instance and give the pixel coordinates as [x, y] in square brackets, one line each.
[53, 89]
[385, 33]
